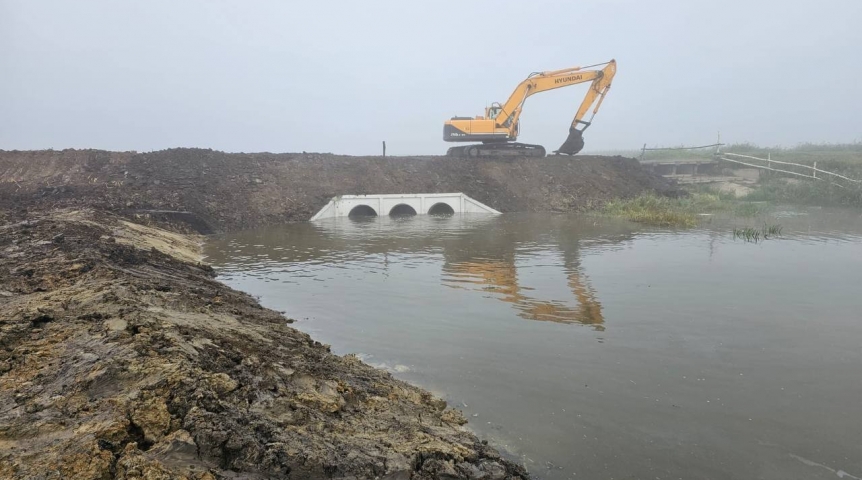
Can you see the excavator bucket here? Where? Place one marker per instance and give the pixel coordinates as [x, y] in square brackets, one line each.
[573, 144]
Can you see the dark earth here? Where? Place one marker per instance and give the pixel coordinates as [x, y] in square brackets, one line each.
[231, 191]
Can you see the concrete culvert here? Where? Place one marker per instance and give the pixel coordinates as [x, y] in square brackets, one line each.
[402, 210]
[441, 209]
[362, 211]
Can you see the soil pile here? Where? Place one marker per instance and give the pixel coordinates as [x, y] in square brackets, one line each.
[121, 357]
[219, 191]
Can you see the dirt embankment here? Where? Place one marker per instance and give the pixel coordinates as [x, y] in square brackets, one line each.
[225, 191]
[121, 357]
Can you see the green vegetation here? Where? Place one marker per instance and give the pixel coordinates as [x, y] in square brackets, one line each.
[650, 156]
[843, 159]
[833, 157]
[748, 234]
[685, 211]
[755, 235]
[652, 210]
[839, 158]
[773, 188]
[771, 230]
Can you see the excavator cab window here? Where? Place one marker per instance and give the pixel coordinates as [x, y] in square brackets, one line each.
[493, 112]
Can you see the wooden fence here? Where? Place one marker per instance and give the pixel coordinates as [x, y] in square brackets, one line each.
[811, 171]
[665, 149]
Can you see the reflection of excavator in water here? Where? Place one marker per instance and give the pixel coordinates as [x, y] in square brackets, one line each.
[499, 128]
[500, 276]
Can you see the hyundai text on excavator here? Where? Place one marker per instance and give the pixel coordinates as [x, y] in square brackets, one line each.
[499, 128]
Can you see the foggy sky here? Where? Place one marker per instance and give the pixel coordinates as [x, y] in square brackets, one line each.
[341, 76]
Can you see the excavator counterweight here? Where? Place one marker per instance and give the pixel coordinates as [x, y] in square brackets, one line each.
[498, 129]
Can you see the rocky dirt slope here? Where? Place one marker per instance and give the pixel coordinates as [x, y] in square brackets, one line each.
[122, 358]
[225, 191]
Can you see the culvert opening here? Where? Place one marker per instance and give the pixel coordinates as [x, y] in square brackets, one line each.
[402, 210]
[442, 209]
[362, 211]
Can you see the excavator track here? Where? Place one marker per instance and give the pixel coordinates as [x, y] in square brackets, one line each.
[497, 150]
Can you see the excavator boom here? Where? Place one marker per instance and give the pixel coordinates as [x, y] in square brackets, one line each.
[500, 125]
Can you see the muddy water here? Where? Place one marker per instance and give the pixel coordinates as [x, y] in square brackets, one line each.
[595, 348]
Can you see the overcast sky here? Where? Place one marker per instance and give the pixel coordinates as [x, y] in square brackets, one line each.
[287, 76]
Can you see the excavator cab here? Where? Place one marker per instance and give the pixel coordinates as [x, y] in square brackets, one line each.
[493, 111]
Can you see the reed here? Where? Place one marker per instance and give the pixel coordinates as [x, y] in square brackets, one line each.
[755, 235]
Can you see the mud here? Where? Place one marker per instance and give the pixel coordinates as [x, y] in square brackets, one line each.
[208, 191]
[121, 357]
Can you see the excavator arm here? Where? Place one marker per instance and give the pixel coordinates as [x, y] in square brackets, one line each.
[595, 95]
[544, 81]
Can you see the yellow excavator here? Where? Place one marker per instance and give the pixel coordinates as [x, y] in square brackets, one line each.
[499, 128]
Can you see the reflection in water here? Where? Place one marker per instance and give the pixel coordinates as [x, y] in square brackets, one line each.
[480, 253]
[498, 274]
[484, 259]
[501, 278]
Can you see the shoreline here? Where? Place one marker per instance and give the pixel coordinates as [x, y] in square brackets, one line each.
[121, 358]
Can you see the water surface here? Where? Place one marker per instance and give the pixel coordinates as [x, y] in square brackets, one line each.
[592, 347]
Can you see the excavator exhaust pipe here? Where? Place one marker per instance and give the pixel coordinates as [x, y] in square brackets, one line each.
[573, 144]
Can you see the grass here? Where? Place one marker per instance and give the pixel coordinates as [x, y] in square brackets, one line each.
[651, 209]
[833, 157]
[774, 188]
[843, 159]
[771, 230]
[704, 154]
[840, 158]
[754, 235]
[748, 234]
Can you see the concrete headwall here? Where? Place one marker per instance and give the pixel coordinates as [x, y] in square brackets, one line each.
[419, 203]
